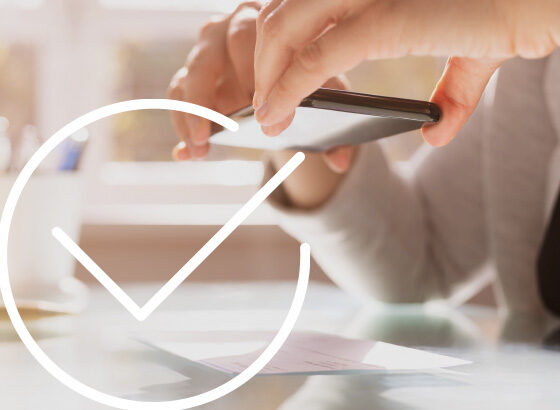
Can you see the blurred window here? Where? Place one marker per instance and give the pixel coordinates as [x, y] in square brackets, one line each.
[222, 6]
[143, 71]
[23, 4]
[17, 85]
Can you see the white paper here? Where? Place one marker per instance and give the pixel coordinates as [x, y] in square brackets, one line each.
[303, 353]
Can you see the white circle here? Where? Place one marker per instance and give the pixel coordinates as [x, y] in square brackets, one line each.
[23, 332]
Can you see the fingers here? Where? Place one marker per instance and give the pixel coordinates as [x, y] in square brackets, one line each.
[205, 68]
[196, 83]
[241, 40]
[338, 50]
[339, 159]
[175, 92]
[457, 94]
[221, 58]
[276, 129]
[340, 82]
[283, 29]
[178, 119]
[264, 12]
[378, 29]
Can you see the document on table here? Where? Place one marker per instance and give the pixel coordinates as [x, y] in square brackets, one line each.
[303, 353]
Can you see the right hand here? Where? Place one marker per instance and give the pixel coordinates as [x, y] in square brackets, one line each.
[219, 74]
[300, 44]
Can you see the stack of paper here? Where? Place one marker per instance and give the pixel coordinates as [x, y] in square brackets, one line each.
[303, 353]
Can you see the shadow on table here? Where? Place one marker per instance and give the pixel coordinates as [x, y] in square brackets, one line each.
[198, 378]
[262, 393]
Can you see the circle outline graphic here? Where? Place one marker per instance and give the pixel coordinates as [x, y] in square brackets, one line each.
[33, 347]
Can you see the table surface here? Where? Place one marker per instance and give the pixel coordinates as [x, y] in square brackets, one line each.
[515, 362]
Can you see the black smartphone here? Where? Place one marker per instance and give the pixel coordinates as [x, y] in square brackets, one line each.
[374, 105]
[328, 118]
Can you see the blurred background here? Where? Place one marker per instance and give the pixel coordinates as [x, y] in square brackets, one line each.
[143, 214]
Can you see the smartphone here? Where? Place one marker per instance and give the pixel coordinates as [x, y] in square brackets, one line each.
[329, 118]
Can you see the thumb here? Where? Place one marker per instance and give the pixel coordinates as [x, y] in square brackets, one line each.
[457, 94]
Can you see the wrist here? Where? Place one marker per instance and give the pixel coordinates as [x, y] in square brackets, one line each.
[311, 185]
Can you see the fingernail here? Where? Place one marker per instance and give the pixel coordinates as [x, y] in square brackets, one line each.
[199, 138]
[269, 130]
[183, 155]
[257, 101]
[433, 137]
[200, 151]
[201, 134]
[261, 112]
[180, 152]
[339, 159]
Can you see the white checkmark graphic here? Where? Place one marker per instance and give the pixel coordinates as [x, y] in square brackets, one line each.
[142, 313]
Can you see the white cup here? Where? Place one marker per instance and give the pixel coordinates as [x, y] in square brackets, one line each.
[40, 269]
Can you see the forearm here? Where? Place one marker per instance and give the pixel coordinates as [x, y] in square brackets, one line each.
[312, 184]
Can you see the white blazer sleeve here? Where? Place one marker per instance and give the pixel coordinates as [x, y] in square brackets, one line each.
[399, 239]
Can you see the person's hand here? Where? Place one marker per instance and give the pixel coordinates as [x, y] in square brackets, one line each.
[300, 44]
[218, 75]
